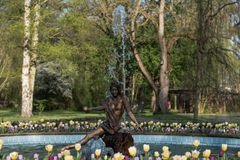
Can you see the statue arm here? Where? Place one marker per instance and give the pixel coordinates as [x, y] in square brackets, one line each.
[133, 118]
[129, 111]
[99, 108]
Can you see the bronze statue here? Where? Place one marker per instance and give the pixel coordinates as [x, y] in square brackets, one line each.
[114, 107]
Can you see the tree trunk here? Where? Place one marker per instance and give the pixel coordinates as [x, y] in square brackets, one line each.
[224, 106]
[200, 46]
[34, 53]
[4, 62]
[153, 103]
[26, 109]
[175, 102]
[141, 66]
[164, 74]
[133, 88]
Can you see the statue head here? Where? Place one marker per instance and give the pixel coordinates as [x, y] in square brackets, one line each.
[115, 89]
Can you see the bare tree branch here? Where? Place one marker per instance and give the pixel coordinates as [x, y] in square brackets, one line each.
[150, 17]
[221, 8]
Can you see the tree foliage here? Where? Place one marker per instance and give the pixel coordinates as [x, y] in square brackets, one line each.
[76, 47]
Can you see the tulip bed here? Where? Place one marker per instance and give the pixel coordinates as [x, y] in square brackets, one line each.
[74, 126]
[164, 154]
[71, 126]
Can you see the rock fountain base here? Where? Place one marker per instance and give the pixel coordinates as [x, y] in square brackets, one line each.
[119, 142]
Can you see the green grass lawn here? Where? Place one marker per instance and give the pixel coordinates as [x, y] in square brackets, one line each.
[58, 114]
[64, 114]
[172, 116]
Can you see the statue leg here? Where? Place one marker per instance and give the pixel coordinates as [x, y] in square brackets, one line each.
[98, 132]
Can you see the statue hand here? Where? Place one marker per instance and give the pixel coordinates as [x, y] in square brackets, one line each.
[67, 147]
[86, 109]
[139, 128]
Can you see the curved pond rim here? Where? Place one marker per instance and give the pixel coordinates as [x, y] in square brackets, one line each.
[134, 133]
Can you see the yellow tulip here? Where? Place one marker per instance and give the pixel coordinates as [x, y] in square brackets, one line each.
[105, 157]
[71, 122]
[196, 143]
[14, 155]
[118, 156]
[146, 148]
[68, 157]
[1, 142]
[66, 153]
[184, 158]
[224, 147]
[0, 147]
[132, 151]
[78, 146]
[49, 147]
[207, 153]
[188, 154]
[238, 154]
[195, 154]
[156, 154]
[98, 152]
[177, 157]
[165, 149]
[166, 155]
[133, 124]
